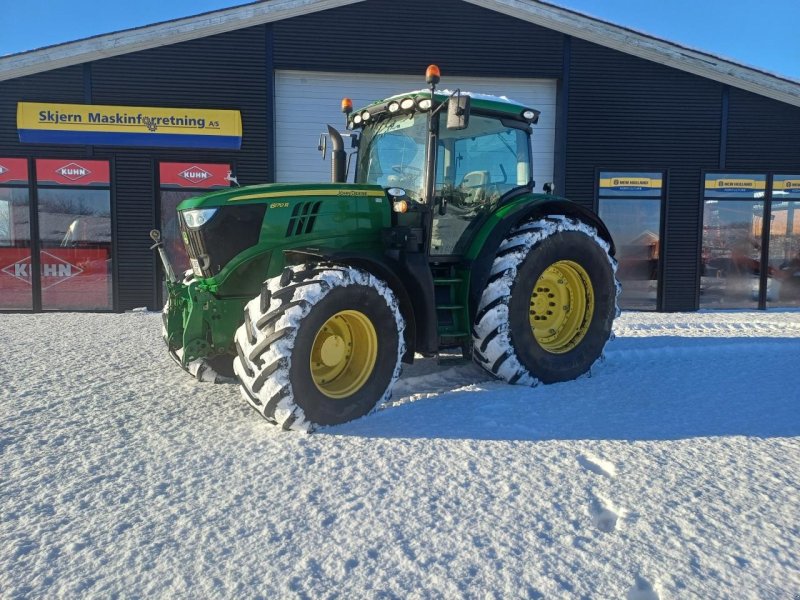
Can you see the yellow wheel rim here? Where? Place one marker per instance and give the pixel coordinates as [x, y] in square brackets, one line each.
[562, 305]
[343, 354]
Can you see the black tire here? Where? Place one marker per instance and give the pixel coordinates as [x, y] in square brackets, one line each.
[274, 346]
[504, 341]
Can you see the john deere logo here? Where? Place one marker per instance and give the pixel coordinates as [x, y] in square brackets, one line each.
[73, 171]
[3, 170]
[195, 174]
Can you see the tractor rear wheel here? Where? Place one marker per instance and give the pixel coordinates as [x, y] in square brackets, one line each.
[319, 346]
[548, 309]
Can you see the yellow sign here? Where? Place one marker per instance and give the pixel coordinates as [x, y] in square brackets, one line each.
[93, 124]
[737, 184]
[627, 182]
[787, 184]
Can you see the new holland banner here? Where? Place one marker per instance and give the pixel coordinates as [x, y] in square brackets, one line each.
[92, 124]
[787, 184]
[630, 184]
[726, 186]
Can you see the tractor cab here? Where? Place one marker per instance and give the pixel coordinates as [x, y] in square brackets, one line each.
[447, 160]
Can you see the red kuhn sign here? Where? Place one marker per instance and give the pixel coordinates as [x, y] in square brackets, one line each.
[194, 175]
[14, 170]
[71, 277]
[62, 171]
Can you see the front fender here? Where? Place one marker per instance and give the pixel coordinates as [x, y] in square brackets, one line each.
[415, 303]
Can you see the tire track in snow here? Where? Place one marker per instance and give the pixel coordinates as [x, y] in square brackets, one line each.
[756, 327]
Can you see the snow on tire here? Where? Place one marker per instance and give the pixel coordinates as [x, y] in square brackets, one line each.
[547, 311]
[320, 346]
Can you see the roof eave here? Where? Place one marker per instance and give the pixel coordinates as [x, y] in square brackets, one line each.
[649, 48]
[159, 34]
[539, 13]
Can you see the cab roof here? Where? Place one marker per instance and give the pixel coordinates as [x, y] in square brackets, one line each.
[497, 105]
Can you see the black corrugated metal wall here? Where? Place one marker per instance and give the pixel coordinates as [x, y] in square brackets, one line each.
[387, 36]
[617, 111]
[626, 113]
[763, 134]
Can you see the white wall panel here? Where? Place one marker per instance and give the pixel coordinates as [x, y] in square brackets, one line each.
[306, 101]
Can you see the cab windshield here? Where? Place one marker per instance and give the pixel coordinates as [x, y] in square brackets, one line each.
[475, 166]
[392, 154]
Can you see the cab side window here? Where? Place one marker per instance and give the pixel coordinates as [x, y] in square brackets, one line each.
[480, 164]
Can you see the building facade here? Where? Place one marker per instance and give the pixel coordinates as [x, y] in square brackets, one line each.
[693, 161]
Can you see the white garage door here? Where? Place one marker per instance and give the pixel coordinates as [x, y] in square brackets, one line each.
[306, 101]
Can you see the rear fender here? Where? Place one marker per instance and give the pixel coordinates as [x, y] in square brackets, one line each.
[383, 268]
[517, 214]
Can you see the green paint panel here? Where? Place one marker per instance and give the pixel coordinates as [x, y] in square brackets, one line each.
[203, 315]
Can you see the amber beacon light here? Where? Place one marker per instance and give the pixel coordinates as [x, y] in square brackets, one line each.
[347, 106]
[432, 75]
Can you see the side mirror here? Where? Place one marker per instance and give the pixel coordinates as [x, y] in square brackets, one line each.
[458, 111]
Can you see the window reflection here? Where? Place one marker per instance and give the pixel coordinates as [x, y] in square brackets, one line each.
[731, 255]
[15, 250]
[784, 251]
[634, 227]
[75, 234]
[630, 206]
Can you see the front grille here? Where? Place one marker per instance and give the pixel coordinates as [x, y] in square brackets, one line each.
[230, 231]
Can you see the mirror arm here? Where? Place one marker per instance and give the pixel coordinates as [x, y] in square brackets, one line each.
[438, 108]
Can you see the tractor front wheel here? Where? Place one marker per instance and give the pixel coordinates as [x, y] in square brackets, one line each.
[319, 346]
[547, 311]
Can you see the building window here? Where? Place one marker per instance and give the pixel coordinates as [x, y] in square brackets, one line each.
[177, 182]
[731, 258]
[15, 236]
[630, 204]
[783, 286]
[74, 216]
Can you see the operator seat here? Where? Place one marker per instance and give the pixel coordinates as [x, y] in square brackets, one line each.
[474, 184]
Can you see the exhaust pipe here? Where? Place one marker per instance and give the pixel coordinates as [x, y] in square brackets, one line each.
[338, 157]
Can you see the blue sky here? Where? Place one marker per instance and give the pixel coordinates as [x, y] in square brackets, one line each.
[762, 35]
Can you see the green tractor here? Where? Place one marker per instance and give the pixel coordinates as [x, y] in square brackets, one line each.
[313, 295]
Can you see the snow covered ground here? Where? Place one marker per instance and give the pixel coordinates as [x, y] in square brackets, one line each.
[672, 472]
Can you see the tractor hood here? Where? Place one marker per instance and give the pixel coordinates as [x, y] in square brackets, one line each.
[236, 230]
[272, 193]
